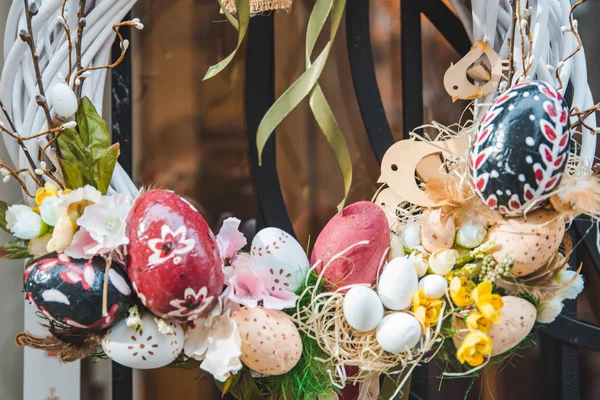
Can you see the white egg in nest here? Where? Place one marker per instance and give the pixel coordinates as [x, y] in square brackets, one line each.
[434, 286]
[362, 308]
[398, 284]
[398, 332]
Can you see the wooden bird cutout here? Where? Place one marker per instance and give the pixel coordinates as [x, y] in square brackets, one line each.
[407, 158]
[455, 79]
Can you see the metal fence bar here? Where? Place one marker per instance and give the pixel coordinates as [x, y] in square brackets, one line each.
[260, 95]
[360, 55]
[122, 377]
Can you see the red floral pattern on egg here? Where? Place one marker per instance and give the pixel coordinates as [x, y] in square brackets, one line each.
[174, 262]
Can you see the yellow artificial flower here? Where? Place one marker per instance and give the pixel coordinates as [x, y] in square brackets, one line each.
[49, 190]
[478, 322]
[426, 310]
[488, 303]
[473, 348]
[460, 291]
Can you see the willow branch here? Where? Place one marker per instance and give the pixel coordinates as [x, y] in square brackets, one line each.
[27, 37]
[80, 26]
[511, 56]
[69, 43]
[15, 174]
[80, 73]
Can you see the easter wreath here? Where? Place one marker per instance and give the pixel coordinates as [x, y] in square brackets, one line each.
[458, 264]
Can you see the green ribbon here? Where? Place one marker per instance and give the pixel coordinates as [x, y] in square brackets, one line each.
[307, 85]
[241, 25]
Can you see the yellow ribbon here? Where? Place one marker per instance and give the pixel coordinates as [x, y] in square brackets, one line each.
[241, 25]
[307, 85]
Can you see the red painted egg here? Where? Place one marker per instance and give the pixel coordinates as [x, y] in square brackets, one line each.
[358, 222]
[174, 261]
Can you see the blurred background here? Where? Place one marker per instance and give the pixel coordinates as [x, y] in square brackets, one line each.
[190, 137]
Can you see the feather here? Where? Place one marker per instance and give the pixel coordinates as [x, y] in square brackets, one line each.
[578, 196]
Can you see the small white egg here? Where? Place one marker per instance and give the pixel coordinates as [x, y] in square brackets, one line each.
[398, 332]
[362, 308]
[63, 99]
[398, 284]
[434, 286]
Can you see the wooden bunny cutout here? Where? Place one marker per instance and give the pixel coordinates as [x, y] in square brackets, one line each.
[455, 80]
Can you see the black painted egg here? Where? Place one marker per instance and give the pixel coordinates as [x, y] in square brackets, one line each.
[70, 291]
[520, 150]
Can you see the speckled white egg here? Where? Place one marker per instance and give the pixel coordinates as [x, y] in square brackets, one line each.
[283, 256]
[398, 332]
[398, 284]
[531, 241]
[146, 348]
[362, 308]
[271, 344]
[518, 318]
[437, 232]
[63, 99]
[434, 286]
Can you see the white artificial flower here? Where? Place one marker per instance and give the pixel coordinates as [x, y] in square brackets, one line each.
[216, 341]
[411, 235]
[550, 310]
[25, 223]
[134, 319]
[397, 250]
[574, 288]
[419, 262]
[163, 327]
[471, 235]
[37, 246]
[49, 210]
[442, 261]
[88, 193]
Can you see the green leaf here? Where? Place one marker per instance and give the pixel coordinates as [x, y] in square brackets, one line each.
[16, 250]
[74, 159]
[103, 171]
[243, 12]
[87, 158]
[3, 208]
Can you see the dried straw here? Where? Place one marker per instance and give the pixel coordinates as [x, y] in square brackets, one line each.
[261, 6]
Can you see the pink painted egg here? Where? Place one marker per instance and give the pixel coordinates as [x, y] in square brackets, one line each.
[174, 262]
[362, 221]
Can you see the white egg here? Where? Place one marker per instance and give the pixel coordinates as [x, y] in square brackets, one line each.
[398, 332]
[283, 257]
[398, 284]
[63, 99]
[362, 308]
[434, 286]
[147, 348]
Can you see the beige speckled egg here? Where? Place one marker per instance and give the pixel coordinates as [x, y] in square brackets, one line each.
[518, 318]
[437, 232]
[271, 343]
[532, 241]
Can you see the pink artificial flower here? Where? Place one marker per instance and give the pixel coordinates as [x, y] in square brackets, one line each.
[250, 283]
[230, 240]
[101, 227]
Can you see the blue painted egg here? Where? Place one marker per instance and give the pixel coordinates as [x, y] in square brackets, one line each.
[520, 150]
[70, 291]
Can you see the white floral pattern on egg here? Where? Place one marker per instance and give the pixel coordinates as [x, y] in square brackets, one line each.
[146, 348]
[282, 256]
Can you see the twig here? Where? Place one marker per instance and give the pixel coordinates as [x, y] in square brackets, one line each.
[15, 174]
[68, 34]
[20, 142]
[80, 25]
[27, 37]
[579, 43]
[79, 73]
[37, 135]
[511, 56]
